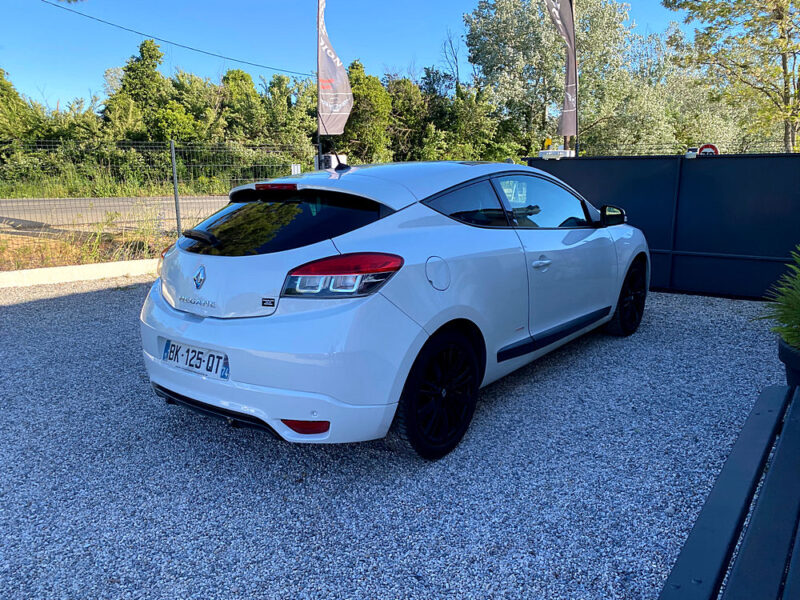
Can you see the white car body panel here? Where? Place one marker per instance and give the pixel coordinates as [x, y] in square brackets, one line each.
[486, 266]
[291, 359]
[579, 280]
[396, 185]
[232, 288]
[346, 360]
[393, 194]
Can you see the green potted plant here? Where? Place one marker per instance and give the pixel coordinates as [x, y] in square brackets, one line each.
[785, 312]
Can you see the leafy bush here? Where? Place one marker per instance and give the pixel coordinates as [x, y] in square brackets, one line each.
[785, 307]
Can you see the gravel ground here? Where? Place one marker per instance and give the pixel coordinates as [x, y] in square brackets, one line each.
[580, 476]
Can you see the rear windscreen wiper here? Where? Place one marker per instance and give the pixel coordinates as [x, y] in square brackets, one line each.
[202, 236]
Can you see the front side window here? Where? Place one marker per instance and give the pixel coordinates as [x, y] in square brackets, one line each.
[475, 204]
[538, 203]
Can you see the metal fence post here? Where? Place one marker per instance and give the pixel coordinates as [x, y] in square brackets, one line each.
[175, 186]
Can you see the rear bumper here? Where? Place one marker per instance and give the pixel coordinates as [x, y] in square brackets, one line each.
[345, 364]
[233, 418]
[254, 405]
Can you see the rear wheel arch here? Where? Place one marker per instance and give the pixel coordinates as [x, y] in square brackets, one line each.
[425, 421]
[473, 333]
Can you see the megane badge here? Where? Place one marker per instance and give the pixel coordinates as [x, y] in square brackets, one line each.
[200, 277]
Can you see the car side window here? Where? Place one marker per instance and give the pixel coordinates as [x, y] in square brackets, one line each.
[537, 202]
[475, 204]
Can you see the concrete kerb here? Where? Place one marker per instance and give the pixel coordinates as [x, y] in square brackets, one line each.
[124, 268]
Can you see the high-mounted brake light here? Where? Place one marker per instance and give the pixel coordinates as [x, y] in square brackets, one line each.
[346, 275]
[276, 186]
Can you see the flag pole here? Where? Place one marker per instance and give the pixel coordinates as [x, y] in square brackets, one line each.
[319, 133]
[577, 80]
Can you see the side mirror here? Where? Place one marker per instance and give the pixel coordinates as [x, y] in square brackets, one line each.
[612, 215]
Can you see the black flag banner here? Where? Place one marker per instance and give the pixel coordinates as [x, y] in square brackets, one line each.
[563, 16]
[334, 96]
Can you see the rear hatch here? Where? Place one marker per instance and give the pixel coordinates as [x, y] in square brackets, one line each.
[234, 263]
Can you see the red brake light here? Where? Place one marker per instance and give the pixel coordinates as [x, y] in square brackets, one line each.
[307, 427]
[276, 186]
[343, 276]
[352, 264]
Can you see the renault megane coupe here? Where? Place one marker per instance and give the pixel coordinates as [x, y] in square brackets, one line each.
[336, 305]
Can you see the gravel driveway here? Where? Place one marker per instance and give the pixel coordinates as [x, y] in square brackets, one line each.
[580, 477]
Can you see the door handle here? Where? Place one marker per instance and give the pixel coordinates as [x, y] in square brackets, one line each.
[541, 263]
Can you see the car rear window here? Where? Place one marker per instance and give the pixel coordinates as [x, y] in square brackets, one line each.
[265, 221]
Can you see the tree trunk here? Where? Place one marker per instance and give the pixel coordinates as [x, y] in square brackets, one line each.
[788, 126]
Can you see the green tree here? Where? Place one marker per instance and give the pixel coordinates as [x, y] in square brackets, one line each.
[474, 132]
[366, 135]
[750, 49]
[520, 56]
[79, 121]
[408, 118]
[203, 101]
[172, 122]
[141, 80]
[289, 124]
[18, 118]
[123, 119]
[245, 116]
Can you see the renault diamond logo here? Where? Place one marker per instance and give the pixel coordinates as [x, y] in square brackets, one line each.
[200, 277]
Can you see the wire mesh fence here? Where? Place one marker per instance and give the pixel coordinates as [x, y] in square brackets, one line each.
[650, 149]
[78, 202]
[73, 202]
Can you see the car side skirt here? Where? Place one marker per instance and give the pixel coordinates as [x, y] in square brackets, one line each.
[551, 336]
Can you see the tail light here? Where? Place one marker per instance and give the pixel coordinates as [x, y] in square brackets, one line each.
[161, 258]
[343, 276]
[307, 427]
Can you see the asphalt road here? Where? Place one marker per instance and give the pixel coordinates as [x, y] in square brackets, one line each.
[580, 476]
[69, 212]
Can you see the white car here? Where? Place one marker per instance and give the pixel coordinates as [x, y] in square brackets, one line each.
[330, 306]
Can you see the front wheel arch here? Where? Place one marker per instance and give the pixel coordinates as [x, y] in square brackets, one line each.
[632, 297]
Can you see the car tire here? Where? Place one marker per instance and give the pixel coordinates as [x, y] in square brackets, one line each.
[630, 306]
[439, 396]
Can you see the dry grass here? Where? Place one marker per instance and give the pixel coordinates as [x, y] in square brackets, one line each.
[103, 243]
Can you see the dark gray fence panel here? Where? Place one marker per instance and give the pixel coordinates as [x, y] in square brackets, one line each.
[722, 225]
[644, 187]
[743, 214]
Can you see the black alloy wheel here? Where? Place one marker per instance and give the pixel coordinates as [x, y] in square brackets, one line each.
[439, 397]
[632, 297]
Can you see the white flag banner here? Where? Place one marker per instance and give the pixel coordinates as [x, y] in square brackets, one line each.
[334, 96]
[563, 16]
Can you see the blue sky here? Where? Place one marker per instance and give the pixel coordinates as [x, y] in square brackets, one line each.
[52, 55]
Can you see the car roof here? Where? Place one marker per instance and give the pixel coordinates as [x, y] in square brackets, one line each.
[397, 185]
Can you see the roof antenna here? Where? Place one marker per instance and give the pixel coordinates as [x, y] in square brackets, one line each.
[340, 166]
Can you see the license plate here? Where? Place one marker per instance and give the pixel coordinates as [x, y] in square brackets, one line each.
[199, 360]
